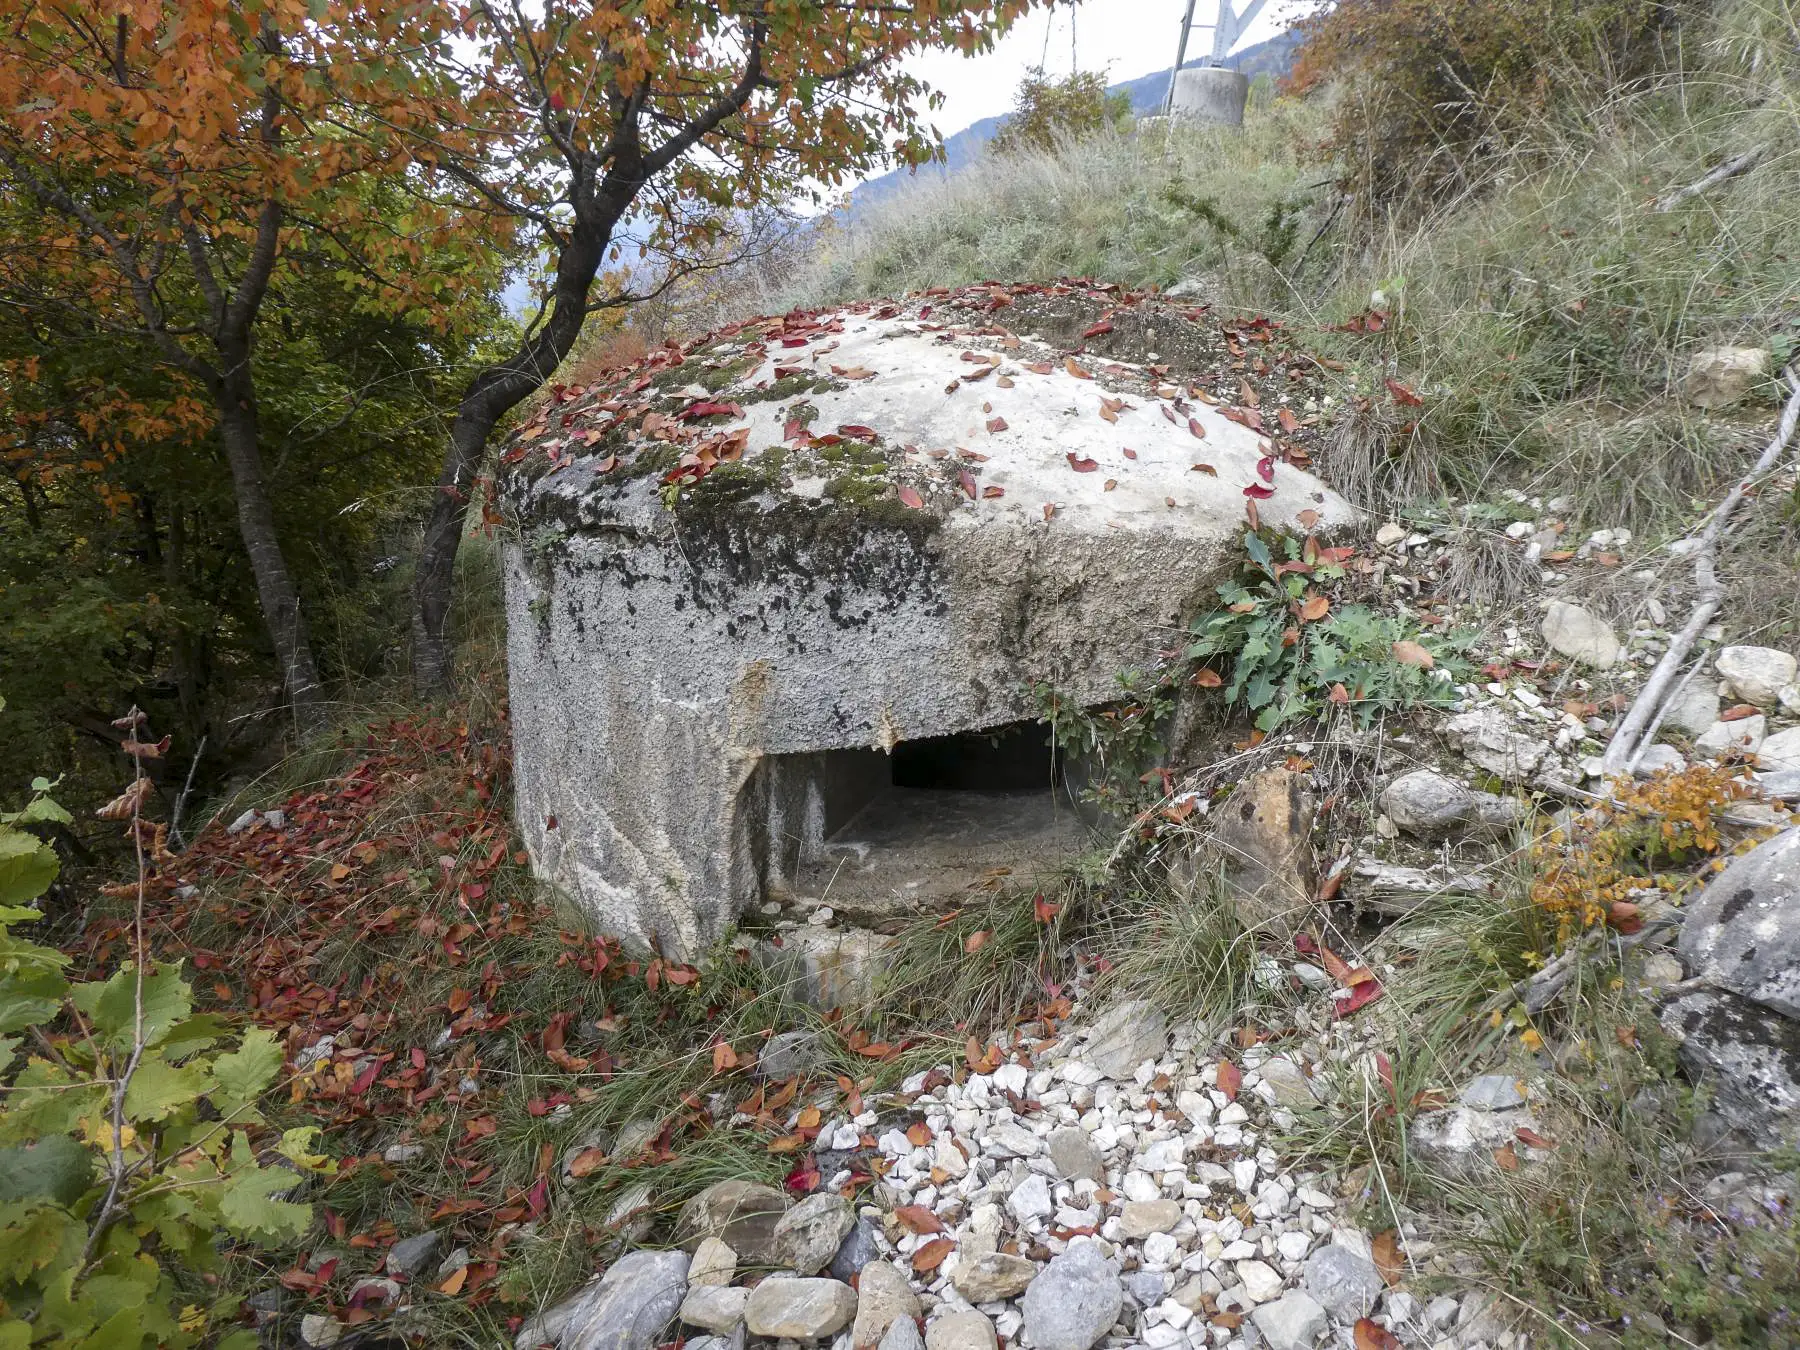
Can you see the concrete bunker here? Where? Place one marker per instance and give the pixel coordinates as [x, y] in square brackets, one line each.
[878, 835]
[778, 604]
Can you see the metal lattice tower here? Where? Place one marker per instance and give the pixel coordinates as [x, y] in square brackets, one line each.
[1227, 28]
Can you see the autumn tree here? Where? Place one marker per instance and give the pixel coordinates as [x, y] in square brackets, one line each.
[1049, 111]
[178, 154]
[630, 132]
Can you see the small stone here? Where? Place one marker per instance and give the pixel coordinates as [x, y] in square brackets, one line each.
[992, 1276]
[1694, 709]
[1462, 1141]
[401, 1153]
[1030, 1199]
[1659, 758]
[1261, 1281]
[799, 1308]
[884, 1294]
[1718, 377]
[316, 1329]
[1755, 674]
[628, 1307]
[1292, 1322]
[1073, 1153]
[788, 1053]
[858, 1248]
[1494, 1092]
[1441, 1311]
[1744, 736]
[1780, 752]
[1292, 1088]
[633, 1213]
[807, 1236]
[741, 1214]
[713, 1263]
[714, 1308]
[1012, 1140]
[409, 1256]
[946, 1156]
[1126, 1035]
[1580, 635]
[965, 1329]
[902, 1335]
[1489, 740]
[1345, 1283]
[1074, 1301]
[275, 820]
[1390, 534]
[1141, 1218]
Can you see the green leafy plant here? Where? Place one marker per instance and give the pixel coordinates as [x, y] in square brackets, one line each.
[1293, 654]
[130, 1142]
[1115, 744]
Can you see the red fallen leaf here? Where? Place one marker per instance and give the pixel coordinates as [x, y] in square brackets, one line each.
[1130, 454]
[709, 408]
[918, 1134]
[537, 1199]
[1231, 1078]
[1739, 712]
[1206, 469]
[1410, 653]
[996, 424]
[1194, 427]
[1109, 485]
[1100, 329]
[856, 431]
[788, 1143]
[1527, 1135]
[1362, 993]
[606, 465]
[1371, 1335]
[1169, 413]
[804, 1179]
[976, 941]
[453, 1286]
[1289, 423]
[1042, 911]
[1260, 492]
[918, 1219]
[1076, 369]
[1049, 510]
[1315, 609]
[361, 1083]
[1081, 463]
[966, 481]
[549, 822]
[724, 1057]
[1506, 1157]
[932, 1254]
[1039, 367]
[1206, 678]
[910, 497]
[853, 372]
[1252, 515]
[1404, 396]
[1338, 695]
[993, 491]
[1265, 468]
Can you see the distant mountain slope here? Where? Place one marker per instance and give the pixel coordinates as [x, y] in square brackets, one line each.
[1147, 93]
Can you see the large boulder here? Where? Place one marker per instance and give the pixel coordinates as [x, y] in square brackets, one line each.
[1749, 1056]
[1742, 934]
[748, 577]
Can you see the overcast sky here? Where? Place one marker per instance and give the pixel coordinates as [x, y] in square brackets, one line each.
[1122, 38]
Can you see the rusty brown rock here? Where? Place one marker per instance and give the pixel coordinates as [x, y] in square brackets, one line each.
[1263, 840]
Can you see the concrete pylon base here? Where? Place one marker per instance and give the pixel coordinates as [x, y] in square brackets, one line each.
[1211, 94]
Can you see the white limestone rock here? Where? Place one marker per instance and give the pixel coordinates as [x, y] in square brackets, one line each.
[1755, 674]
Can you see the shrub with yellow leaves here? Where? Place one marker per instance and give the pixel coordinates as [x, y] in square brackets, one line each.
[1645, 838]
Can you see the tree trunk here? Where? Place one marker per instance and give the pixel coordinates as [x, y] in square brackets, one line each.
[493, 393]
[256, 522]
